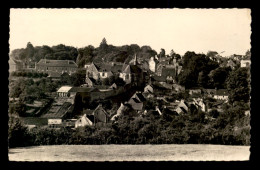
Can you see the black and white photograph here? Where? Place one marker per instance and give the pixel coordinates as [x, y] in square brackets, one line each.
[129, 84]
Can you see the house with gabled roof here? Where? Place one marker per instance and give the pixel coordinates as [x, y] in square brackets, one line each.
[103, 70]
[199, 104]
[83, 121]
[131, 73]
[182, 107]
[99, 115]
[14, 65]
[148, 88]
[60, 66]
[92, 71]
[121, 110]
[137, 101]
[231, 64]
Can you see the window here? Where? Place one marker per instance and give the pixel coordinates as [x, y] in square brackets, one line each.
[103, 74]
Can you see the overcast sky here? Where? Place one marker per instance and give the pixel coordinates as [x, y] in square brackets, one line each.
[198, 30]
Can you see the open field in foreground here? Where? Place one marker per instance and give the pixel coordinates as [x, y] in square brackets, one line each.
[167, 152]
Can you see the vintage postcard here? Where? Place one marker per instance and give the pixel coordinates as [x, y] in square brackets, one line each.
[129, 84]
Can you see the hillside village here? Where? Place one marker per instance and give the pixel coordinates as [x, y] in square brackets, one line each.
[112, 89]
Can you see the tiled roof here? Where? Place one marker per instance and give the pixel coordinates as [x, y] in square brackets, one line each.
[209, 91]
[184, 110]
[140, 97]
[132, 69]
[57, 63]
[38, 121]
[106, 67]
[83, 89]
[64, 89]
[136, 100]
[168, 72]
[222, 92]
[60, 113]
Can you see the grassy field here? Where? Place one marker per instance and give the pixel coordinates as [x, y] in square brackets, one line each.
[165, 152]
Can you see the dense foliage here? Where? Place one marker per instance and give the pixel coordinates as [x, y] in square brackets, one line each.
[105, 52]
[238, 85]
[34, 54]
[28, 89]
[28, 74]
[230, 127]
[196, 68]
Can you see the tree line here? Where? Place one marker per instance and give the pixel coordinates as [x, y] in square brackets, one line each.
[231, 127]
[104, 52]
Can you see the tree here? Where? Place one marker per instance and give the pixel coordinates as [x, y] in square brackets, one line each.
[172, 53]
[85, 55]
[16, 132]
[238, 85]
[103, 45]
[247, 55]
[29, 51]
[162, 53]
[193, 64]
[218, 77]
[202, 79]
[214, 113]
[78, 78]
[65, 79]
[187, 78]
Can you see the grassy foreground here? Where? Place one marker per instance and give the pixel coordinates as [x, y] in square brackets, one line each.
[167, 152]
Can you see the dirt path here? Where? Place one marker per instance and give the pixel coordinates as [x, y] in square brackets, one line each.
[130, 153]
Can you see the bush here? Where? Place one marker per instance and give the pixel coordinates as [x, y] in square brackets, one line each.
[166, 129]
[17, 133]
